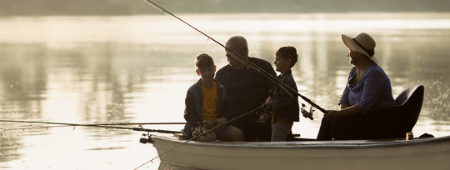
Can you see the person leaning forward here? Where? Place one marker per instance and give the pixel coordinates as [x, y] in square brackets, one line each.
[246, 88]
[368, 88]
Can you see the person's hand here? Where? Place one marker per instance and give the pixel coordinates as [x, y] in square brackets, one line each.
[307, 114]
[267, 105]
[332, 115]
[221, 121]
[263, 108]
[264, 118]
[208, 124]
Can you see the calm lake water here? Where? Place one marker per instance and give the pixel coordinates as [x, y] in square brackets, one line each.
[138, 68]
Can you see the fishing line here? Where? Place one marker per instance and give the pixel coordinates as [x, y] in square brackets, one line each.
[94, 125]
[240, 58]
[210, 130]
[46, 127]
[234, 54]
[35, 127]
[101, 124]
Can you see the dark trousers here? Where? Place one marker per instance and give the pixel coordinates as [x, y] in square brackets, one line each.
[343, 129]
[258, 131]
[254, 130]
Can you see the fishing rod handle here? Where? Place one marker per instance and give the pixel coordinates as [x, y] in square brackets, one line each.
[313, 104]
[301, 96]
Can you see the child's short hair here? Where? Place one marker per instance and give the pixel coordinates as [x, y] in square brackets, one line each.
[288, 52]
[203, 61]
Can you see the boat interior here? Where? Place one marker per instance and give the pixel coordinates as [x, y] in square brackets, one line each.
[384, 124]
[389, 123]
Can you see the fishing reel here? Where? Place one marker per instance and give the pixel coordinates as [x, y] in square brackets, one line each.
[146, 138]
[198, 131]
[263, 113]
[307, 114]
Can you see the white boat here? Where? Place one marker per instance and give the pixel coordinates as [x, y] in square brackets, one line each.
[426, 153]
[393, 154]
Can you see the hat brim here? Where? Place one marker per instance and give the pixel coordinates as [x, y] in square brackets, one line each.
[353, 46]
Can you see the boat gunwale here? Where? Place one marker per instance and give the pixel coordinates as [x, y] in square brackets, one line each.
[333, 144]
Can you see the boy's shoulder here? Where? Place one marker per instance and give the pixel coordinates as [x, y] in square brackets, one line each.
[288, 75]
[288, 78]
[195, 86]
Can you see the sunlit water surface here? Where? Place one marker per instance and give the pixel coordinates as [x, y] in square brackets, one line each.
[138, 68]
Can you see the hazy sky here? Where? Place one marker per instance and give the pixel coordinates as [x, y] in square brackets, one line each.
[136, 7]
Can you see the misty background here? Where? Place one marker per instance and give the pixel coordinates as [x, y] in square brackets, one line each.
[119, 61]
[137, 7]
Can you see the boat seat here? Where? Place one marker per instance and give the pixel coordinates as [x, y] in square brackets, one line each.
[395, 121]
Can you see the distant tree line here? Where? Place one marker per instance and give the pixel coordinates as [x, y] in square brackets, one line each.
[138, 7]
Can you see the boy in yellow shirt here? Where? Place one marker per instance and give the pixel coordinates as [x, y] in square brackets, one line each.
[206, 101]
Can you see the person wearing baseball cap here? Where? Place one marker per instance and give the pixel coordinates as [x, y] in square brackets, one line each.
[368, 88]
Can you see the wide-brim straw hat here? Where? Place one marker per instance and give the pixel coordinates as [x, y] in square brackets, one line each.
[362, 43]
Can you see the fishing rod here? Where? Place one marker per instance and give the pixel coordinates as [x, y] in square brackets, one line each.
[91, 125]
[102, 124]
[248, 63]
[259, 108]
[111, 127]
[36, 127]
[240, 58]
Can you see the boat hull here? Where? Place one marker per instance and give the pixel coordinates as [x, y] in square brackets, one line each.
[431, 153]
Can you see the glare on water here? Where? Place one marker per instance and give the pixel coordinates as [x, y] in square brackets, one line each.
[138, 68]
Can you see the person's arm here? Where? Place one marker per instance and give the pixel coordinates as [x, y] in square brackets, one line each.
[268, 102]
[334, 115]
[371, 92]
[344, 97]
[190, 114]
[287, 98]
[373, 83]
[343, 106]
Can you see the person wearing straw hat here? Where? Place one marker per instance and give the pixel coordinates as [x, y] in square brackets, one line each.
[368, 87]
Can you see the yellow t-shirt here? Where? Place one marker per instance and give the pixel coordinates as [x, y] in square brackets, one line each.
[209, 105]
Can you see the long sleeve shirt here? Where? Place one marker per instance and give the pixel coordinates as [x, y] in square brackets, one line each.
[284, 104]
[372, 91]
[194, 100]
[246, 88]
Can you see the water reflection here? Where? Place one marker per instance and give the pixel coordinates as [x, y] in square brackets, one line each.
[137, 69]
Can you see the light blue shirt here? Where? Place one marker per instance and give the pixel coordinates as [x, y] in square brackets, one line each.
[372, 91]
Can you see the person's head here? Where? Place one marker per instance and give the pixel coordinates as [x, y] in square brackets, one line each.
[205, 67]
[357, 58]
[237, 44]
[361, 48]
[285, 58]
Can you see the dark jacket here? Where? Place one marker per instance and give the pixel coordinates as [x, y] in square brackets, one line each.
[284, 106]
[194, 101]
[246, 88]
